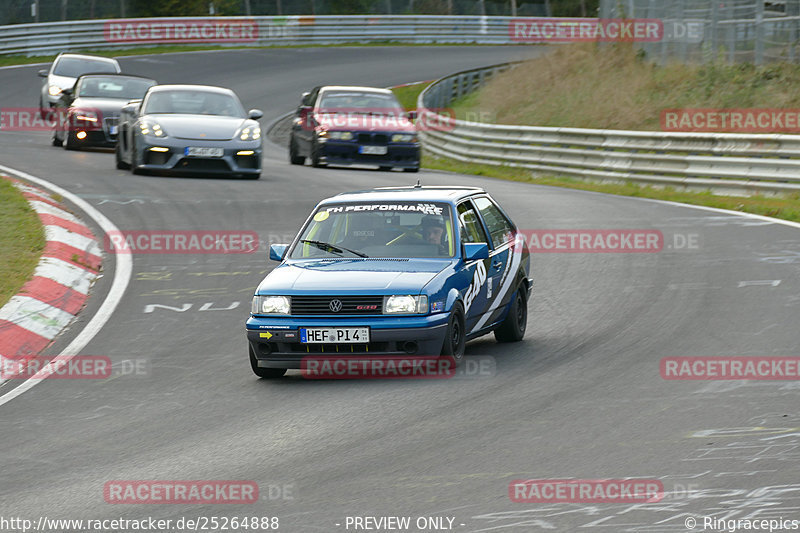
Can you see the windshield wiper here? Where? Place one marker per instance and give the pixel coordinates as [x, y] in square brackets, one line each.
[328, 247]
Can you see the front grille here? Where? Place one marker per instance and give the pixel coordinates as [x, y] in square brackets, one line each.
[351, 305]
[373, 138]
[196, 163]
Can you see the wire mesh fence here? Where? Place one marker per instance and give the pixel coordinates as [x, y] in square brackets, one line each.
[754, 31]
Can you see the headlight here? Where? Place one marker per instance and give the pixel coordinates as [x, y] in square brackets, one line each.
[252, 133]
[87, 116]
[151, 127]
[341, 135]
[404, 137]
[54, 90]
[406, 304]
[270, 305]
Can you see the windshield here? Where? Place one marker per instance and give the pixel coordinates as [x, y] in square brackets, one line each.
[74, 67]
[123, 88]
[398, 230]
[359, 102]
[193, 102]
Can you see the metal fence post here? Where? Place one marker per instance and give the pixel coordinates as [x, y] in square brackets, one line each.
[759, 33]
[731, 34]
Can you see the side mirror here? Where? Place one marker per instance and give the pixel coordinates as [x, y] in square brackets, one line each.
[474, 251]
[131, 107]
[66, 92]
[276, 251]
[43, 73]
[303, 98]
[412, 115]
[255, 114]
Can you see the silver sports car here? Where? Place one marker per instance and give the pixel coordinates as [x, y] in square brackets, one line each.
[190, 129]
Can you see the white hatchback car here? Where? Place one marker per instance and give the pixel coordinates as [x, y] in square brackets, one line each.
[65, 70]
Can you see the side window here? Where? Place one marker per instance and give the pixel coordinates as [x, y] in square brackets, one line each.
[500, 229]
[471, 229]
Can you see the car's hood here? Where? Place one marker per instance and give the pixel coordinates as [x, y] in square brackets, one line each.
[109, 107]
[200, 127]
[64, 82]
[364, 122]
[358, 276]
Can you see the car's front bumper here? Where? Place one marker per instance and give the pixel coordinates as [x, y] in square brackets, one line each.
[175, 160]
[402, 155]
[275, 341]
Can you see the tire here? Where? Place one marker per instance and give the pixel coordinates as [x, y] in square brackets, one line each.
[134, 162]
[55, 140]
[122, 165]
[69, 139]
[315, 156]
[455, 337]
[266, 373]
[295, 159]
[513, 327]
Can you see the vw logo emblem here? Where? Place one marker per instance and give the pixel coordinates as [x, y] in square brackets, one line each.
[335, 305]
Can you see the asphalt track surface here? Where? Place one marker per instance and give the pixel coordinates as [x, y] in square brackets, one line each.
[580, 397]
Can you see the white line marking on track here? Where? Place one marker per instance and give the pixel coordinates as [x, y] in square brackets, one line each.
[122, 276]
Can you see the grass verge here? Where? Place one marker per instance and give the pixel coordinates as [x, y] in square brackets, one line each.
[617, 87]
[21, 240]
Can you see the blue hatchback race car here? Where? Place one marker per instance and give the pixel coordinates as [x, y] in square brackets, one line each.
[404, 271]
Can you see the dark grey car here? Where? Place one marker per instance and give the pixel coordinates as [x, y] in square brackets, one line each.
[88, 113]
[190, 129]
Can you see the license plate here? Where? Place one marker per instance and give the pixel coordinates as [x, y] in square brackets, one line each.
[372, 150]
[203, 151]
[334, 335]
[112, 130]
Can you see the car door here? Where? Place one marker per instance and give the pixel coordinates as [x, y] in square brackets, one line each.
[503, 259]
[474, 273]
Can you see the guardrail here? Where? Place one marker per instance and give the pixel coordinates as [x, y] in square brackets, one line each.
[49, 38]
[731, 163]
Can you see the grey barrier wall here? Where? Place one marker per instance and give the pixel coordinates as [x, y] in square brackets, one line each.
[50, 38]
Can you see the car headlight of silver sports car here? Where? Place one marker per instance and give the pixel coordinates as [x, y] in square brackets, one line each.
[405, 304]
[250, 133]
[151, 127]
[270, 305]
[54, 90]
